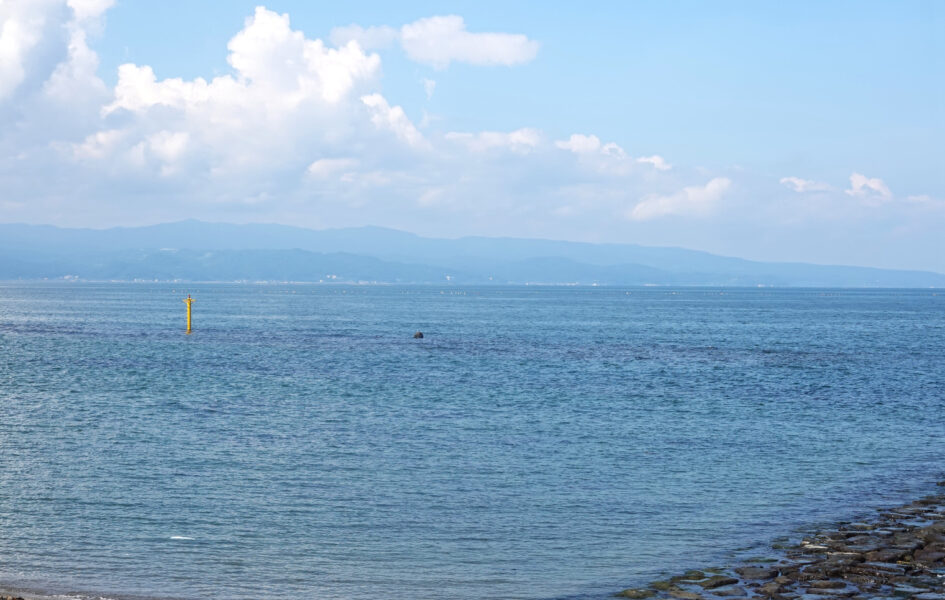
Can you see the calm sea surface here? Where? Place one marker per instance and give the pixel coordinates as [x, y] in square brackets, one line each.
[538, 443]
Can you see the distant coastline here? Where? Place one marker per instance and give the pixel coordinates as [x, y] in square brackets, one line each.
[194, 251]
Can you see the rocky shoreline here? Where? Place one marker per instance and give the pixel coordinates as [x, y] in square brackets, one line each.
[900, 554]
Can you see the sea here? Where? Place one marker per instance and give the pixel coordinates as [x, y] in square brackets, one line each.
[537, 443]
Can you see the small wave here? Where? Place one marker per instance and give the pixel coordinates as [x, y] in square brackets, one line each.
[181, 537]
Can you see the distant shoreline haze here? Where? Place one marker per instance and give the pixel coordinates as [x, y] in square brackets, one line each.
[200, 251]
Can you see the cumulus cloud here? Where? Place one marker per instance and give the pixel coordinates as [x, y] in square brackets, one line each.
[87, 10]
[369, 38]
[804, 185]
[33, 40]
[393, 119]
[580, 143]
[289, 100]
[610, 157]
[868, 188]
[521, 140]
[327, 167]
[658, 162]
[697, 201]
[276, 68]
[438, 41]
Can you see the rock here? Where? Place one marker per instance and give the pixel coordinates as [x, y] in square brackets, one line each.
[885, 555]
[907, 590]
[716, 581]
[771, 588]
[661, 585]
[635, 593]
[825, 584]
[928, 556]
[891, 568]
[730, 592]
[683, 595]
[757, 572]
[418, 335]
[689, 576]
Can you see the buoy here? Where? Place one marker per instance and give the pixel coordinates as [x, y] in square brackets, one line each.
[188, 301]
[418, 335]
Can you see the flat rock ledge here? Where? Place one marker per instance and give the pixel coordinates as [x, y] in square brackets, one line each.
[899, 555]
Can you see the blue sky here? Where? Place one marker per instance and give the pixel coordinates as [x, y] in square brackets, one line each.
[777, 131]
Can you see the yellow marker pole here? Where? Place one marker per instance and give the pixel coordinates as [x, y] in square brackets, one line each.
[188, 301]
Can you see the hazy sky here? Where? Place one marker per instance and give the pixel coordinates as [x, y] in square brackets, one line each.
[768, 130]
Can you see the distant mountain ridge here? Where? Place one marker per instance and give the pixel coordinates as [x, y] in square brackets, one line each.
[199, 251]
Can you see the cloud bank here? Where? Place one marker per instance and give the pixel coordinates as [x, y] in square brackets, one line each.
[300, 131]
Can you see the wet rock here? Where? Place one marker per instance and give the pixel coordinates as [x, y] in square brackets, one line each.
[635, 593]
[717, 581]
[689, 576]
[769, 589]
[885, 555]
[928, 556]
[826, 584]
[754, 572]
[662, 585]
[730, 592]
[891, 568]
[683, 595]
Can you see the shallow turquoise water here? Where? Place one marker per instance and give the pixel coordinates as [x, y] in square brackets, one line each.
[538, 443]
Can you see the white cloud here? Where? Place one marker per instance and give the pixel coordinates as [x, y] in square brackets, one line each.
[804, 185]
[369, 38]
[609, 158]
[440, 40]
[872, 190]
[277, 69]
[590, 144]
[327, 167]
[86, 10]
[520, 140]
[32, 40]
[580, 143]
[658, 162]
[394, 119]
[98, 145]
[690, 201]
[168, 146]
[429, 86]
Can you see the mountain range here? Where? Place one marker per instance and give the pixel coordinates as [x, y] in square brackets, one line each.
[200, 251]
